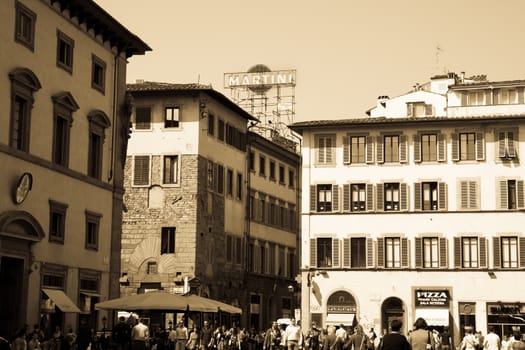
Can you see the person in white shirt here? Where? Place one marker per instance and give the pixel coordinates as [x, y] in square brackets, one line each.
[139, 336]
[293, 337]
[492, 340]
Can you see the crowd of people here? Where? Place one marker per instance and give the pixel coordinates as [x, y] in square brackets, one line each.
[136, 336]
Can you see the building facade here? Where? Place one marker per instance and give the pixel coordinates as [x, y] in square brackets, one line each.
[417, 210]
[62, 148]
[190, 179]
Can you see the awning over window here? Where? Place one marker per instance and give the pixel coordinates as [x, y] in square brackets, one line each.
[434, 317]
[61, 300]
[337, 319]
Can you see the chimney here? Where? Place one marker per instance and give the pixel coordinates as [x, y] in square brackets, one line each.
[139, 81]
[462, 77]
[381, 101]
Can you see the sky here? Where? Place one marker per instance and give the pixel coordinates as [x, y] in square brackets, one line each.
[346, 53]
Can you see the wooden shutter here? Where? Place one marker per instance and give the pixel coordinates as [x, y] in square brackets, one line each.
[442, 152]
[457, 252]
[379, 149]
[522, 251]
[520, 194]
[496, 246]
[370, 253]
[380, 201]
[417, 196]
[380, 252]
[510, 144]
[335, 198]
[419, 252]
[313, 198]
[335, 252]
[410, 109]
[501, 144]
[369, 149]
[346, 197]
[503, 195]
[443, 252]
[313, 252]
[417, 149]
[346, 150]
[329, 150]
[369, 197]
[455, 146]
[321, 150]
[403, 149]
[403, 197]
[346, 252]
[480, 146]
[442, 196]
[141, 171]
[474, 198]
[404, 252]
[482, 252]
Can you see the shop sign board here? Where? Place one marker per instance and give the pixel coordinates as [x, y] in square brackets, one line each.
[432, 298]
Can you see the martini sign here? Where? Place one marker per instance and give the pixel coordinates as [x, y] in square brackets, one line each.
[259, 77]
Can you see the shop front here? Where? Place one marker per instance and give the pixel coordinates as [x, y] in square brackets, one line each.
[506, 318]
[433, 305]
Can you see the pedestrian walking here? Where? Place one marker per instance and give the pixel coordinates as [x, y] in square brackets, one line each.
[469, 341]
[446, 340]
[359, 340]
[272, 339]
[180, 336]
[293, 336]
[421, 338]
[492, 340]
[122, 334]
[139, 336]
[394, 340]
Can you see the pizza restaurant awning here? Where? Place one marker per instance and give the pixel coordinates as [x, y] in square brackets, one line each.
[434, 316]
[338, 318]
[61, 300]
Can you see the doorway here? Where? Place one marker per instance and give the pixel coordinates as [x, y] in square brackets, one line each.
[392, 309]
[12, 276]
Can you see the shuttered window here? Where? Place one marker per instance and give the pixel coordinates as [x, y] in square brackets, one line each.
[142, 118]
[429, 147]
[358, 197]
[392, 252]
[324, 198]
[470, 252]
[468, 194]
[507, 144]
[324, 252]
[510, 194]
[325, 149]
[430, 196]
[468, 146]
[430, 252]
[141, 170]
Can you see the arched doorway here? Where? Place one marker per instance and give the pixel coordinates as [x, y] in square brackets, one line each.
[392, 309]
[18, 231]
[340, 309]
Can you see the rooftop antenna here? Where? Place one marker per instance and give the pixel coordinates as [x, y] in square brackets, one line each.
[198, 79]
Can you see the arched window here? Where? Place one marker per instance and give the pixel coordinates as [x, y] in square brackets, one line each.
[63, 107]
[24, 83]
[98, 123]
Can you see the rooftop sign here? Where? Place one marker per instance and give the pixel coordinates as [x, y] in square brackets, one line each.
[260, 79]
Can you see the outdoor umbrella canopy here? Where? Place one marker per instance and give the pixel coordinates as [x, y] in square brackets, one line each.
[166, 301]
